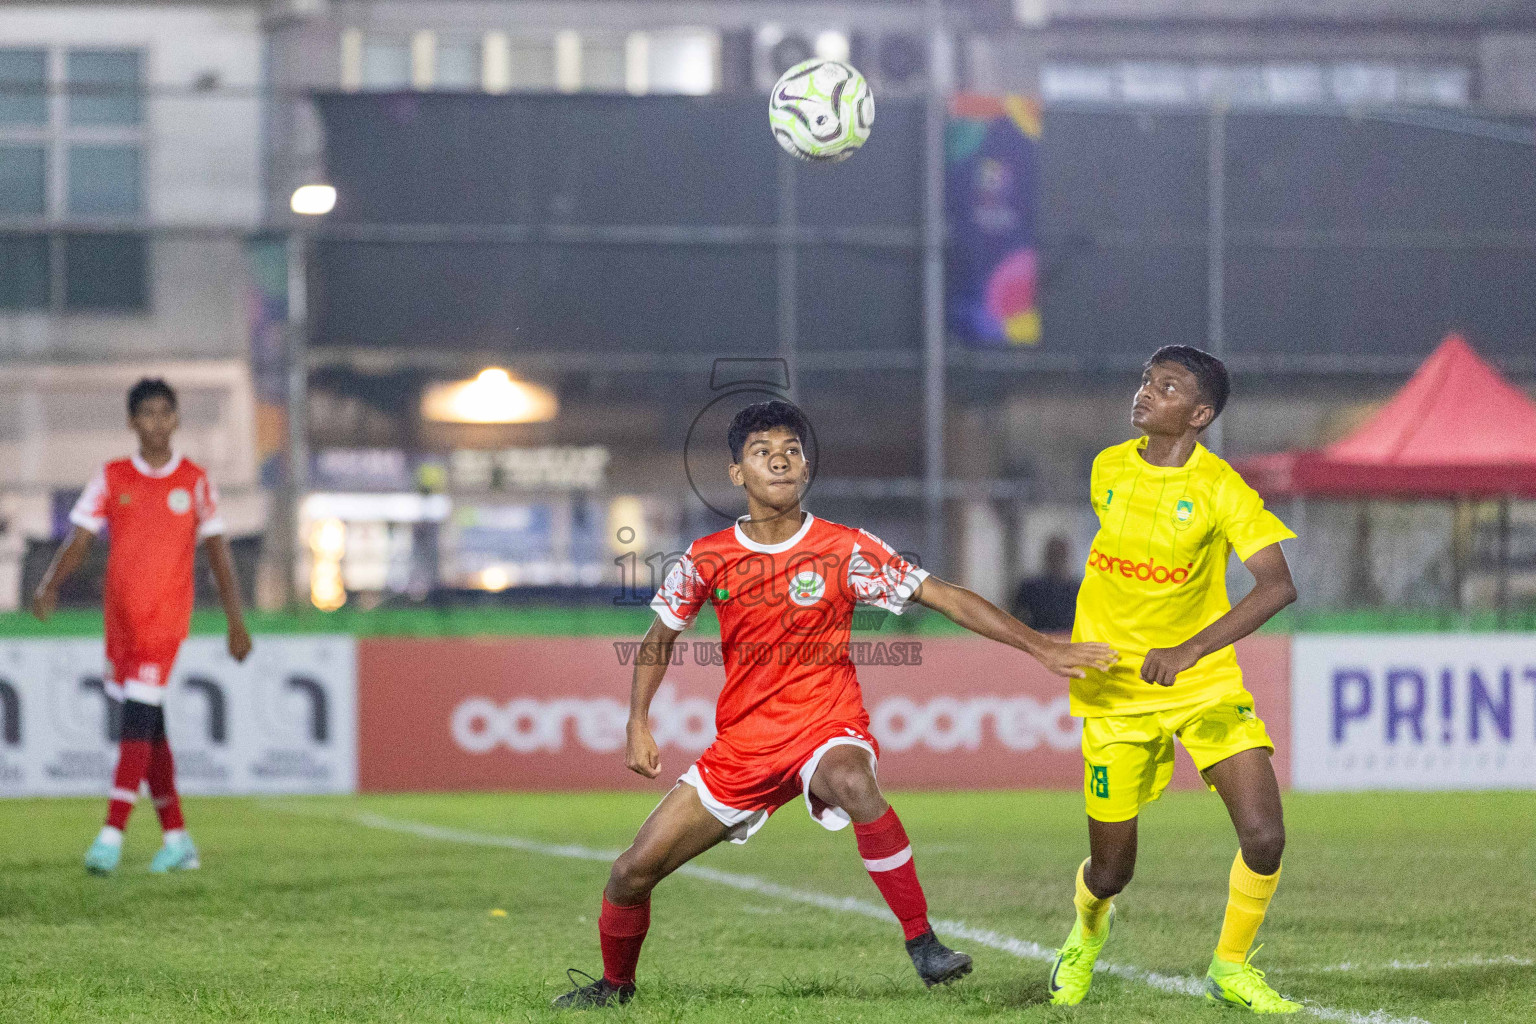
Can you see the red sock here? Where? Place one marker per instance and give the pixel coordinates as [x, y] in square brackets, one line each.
[887, 855]
[162, 785]
[132, 761]
[621, 931]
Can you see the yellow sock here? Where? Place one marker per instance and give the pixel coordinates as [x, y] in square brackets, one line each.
[1091, 910]
[1247, 900]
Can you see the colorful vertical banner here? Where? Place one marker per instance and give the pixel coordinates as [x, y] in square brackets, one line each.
[267, 313]
[991, 183]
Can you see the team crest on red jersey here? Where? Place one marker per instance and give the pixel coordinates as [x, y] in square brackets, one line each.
[806, 587]
[179, 501]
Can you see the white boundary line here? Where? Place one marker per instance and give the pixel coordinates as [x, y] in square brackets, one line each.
[1021, 948]
[1414, 965]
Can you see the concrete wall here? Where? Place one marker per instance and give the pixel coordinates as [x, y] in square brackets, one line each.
[197, 310]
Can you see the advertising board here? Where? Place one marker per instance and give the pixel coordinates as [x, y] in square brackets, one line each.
[1414, 712]
[549, 713]
[284, 721]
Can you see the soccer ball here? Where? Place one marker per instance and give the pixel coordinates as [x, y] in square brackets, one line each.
[821, 110]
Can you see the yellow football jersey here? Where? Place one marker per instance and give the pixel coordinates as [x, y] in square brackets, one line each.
[1156, 574]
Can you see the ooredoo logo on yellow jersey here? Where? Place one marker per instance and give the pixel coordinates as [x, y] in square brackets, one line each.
[1148, 571]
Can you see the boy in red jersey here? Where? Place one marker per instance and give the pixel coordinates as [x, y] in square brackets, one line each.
[156, 506]
[790, 720]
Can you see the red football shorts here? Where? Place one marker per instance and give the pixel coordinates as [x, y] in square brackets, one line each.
[139, 677]
[741, 794]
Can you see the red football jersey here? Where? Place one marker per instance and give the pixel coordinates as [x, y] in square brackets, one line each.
[786, 611]
[154, 519]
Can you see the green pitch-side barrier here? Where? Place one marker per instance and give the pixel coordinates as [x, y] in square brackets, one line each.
[613, 621]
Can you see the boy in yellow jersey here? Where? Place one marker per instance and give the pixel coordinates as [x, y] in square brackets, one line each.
[1155, 588]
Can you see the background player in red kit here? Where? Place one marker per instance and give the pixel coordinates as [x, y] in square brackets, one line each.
[790, 720]
[155, 506]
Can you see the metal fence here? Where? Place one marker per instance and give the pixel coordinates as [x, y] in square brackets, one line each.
[614, 247]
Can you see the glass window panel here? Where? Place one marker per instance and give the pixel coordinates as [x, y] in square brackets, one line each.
[1295, 83]
[104, 180]
[1276, 84]
[1448, 87]
[106, 272]
[104, 87]
[23, 181]
[682, 62]
[23, 86]
[458, 64]
[532, 60]
[23, 271]
[1241, 84]
[602, 63]
[1078, 82]
[1364, 83]
[1155, 83]
[386, 64]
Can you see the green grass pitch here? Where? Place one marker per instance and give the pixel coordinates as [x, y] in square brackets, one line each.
[309, 910]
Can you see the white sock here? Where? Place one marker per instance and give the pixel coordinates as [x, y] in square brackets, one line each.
[175, 835]
[109, 835]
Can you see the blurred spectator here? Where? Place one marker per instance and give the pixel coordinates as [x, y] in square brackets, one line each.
[1048, 602]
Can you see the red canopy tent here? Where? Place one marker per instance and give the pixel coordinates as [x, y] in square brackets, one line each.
[1456, 430]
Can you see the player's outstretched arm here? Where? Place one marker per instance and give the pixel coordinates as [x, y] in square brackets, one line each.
[1272, 591]
[223, 566]
[641, 754]
[969, 609]
[65, 562]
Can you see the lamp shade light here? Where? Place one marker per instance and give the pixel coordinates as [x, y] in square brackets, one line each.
[492, 397]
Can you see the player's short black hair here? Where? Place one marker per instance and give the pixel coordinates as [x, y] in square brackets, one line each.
[764, 416]
[147, 388]
[1210, 373]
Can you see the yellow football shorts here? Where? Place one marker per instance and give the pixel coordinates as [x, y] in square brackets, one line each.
[1128, 759]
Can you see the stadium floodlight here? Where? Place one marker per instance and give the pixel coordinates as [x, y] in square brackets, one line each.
[492, 397]
[313, 200]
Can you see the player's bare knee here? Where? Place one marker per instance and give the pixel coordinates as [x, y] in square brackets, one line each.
[1117, 879]
[854, 789]
[1263, 846]
[868, 806]
[632, 877]
[1109, 876]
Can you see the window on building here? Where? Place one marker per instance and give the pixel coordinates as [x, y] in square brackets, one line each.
[1364, 83]
[24, 261]
[458, 64]
[23, 181]
[1082, 83]
[1447, 87]
[23, 86]
[104, 87]
[603, 62]
[531, 63]
[104, 181]
[680, 61]
[1230, 84]
[1295, 83]
[685, 61]
[105, 272]
[386, 63]
[81, 159]
[674, 61]
[1375, 83]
